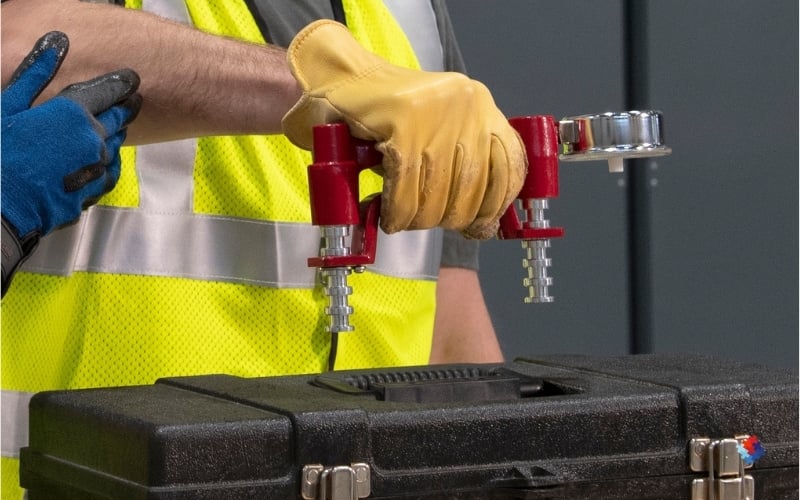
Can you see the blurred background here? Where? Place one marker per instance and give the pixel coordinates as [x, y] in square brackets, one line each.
[693, 252]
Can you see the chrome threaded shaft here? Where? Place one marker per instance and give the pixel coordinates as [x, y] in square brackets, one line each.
[338, 291]
[536, 262]
[335, 278]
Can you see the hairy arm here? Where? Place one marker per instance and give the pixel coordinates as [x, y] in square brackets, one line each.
[463, 331]
[193, 84]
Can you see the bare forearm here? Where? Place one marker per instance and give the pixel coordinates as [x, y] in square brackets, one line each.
[193, 84]
[463, 331]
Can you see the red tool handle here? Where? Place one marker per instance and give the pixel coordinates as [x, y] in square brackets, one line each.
[338, 159]
[539, 133]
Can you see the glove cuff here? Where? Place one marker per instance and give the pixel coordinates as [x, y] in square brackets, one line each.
[15, 251]
[325, 53]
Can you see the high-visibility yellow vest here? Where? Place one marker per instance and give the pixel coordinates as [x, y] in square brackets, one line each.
[197, 264]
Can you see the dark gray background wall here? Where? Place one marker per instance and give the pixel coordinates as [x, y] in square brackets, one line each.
[697, 251]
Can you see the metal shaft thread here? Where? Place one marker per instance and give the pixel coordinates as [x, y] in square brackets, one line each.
[338, 291]
[536, 261]
[334, 242]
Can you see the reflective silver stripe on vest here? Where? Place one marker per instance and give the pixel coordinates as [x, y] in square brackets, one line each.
[171, 9]
[163, 237]
[133, 241]
[418, 21]
[14, 411]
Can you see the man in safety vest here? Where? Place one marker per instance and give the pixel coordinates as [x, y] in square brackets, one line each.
[196, 262]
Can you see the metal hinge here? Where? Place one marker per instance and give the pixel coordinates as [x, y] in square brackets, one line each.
[725, 466]
[340, 482]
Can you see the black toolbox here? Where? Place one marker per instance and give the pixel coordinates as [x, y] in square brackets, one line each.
[638, 427]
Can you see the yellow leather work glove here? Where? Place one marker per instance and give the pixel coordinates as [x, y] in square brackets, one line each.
[450, 158]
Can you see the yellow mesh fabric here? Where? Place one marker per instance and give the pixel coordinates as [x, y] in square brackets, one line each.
[246, 176]
[9, 479]
[225, 17]
[156, 331]
[92, 330]
[126, 192]
[376, 29]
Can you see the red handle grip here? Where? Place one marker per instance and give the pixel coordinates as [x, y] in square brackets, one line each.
[339, 158]
[539, 133]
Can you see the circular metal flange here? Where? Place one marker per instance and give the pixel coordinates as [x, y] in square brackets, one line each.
[631, 134]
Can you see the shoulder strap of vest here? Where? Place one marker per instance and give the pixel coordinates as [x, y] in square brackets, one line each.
[263, 26]
[260, 22]
[338, 11]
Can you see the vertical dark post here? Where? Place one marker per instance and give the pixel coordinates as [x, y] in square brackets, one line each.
[636, 81]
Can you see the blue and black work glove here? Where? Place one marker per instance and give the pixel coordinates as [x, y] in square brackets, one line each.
[62, 155]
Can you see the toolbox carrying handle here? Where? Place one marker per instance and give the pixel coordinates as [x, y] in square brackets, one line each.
[443, 384]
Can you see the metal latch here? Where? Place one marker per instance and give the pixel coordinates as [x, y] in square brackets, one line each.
[339, 482]
[725, 465]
